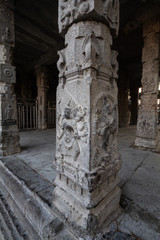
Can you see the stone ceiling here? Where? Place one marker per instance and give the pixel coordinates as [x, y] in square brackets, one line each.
[37, 38]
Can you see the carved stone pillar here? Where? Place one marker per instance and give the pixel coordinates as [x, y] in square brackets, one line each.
[87, 158]
[9, 134]
[123, 99]
[134, 104]
[42, 86]
[147, 129]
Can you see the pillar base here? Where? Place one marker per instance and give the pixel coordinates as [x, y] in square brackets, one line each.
[9, 142]
[91, 217]
[146, 143]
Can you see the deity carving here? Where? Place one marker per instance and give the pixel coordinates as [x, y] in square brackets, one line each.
[104, 126]
[9, 107]
[146, 126]
[6, 37]
[70, 9]
[72, 129]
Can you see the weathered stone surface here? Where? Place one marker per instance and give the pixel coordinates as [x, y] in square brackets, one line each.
[147, 128]
[87, 159]
[42, 86]
[9, 136]
[71, 11]
[29, 206]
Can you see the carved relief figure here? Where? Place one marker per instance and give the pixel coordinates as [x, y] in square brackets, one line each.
[9, 103]
[72, 129]
[71, 9]
[146, 126]
[149, 84]
[105, 125]
[6, 37]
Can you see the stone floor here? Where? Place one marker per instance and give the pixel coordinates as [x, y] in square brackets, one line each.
[139, 180]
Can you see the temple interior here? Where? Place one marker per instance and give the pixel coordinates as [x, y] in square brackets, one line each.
[80, 132]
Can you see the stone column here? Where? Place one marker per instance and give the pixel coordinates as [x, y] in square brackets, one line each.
[134, 104]
[42, 86]
[147, 129]
[87, 158]
[9, 134]
[123, 100]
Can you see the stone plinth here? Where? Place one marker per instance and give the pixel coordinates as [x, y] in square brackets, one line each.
[87, 159]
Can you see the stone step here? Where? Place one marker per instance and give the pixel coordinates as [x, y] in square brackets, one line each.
[10, 224]
[30, 210]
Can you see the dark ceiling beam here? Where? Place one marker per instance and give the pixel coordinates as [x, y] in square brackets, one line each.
[47, 59]
[26, 39]
[27, 26]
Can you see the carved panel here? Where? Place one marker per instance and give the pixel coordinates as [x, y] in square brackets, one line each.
[104, 126]
[146, 125]
[150, 82]
[7, 73]
[72, 130]
[8, 108]
[150, 52]
[74, 10]
[7, 24]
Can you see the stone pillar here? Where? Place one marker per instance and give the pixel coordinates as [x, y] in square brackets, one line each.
[42, 86]
[134, 104]
[123, 100]
[9, 134]
[147, 129]
[87, 158]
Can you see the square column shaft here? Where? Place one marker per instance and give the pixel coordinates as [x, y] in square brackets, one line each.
[9, 134]
[147, 128]
[87, 158]
[42, 86]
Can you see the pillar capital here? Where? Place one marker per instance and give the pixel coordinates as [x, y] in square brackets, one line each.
[71, 11]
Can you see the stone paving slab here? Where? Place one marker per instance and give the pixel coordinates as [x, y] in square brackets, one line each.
[139, 180]
[140, 184]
